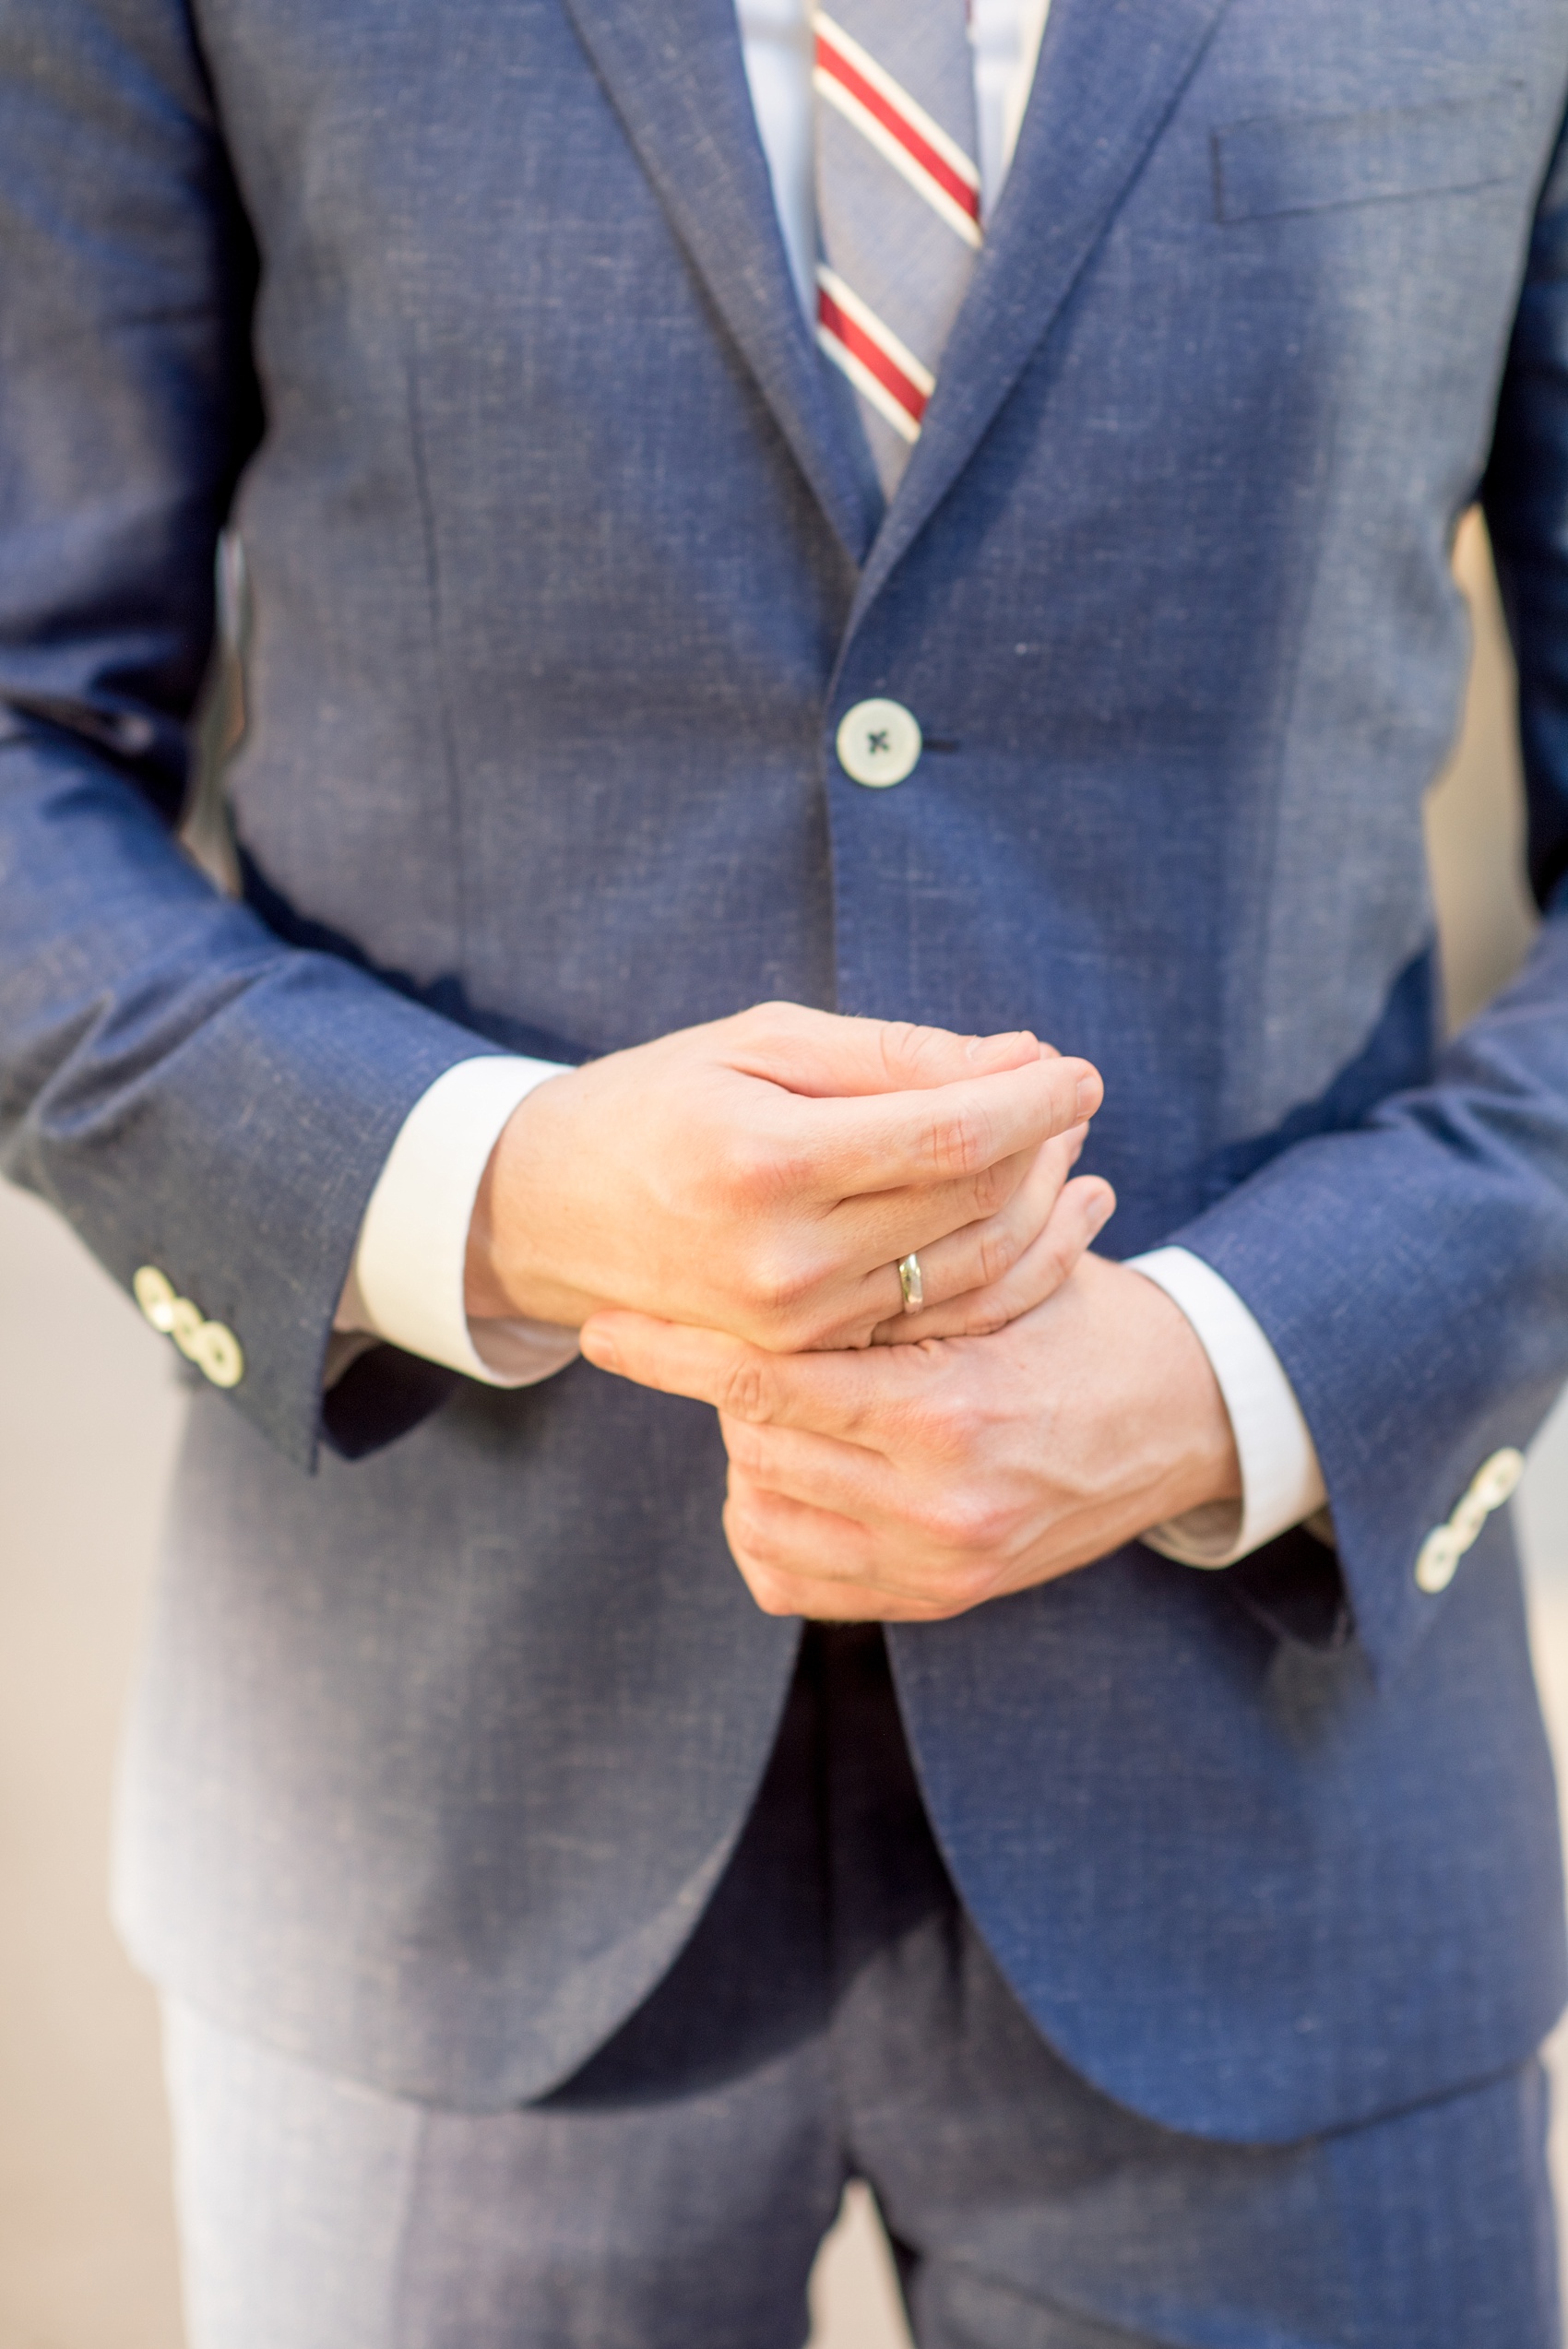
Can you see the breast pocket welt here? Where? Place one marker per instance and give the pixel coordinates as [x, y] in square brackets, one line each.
[1282, 164]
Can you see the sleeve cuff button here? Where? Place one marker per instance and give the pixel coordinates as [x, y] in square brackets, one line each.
[218, 1353]
[214, 1350]
[1492, 1484]
[154, 1292]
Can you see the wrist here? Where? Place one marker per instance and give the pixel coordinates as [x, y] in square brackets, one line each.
[1201, 1463]
[1164, 1436]
[507, 1274]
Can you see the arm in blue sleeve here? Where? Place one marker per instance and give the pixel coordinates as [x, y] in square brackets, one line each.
[1412, 1273]
[190, 1092]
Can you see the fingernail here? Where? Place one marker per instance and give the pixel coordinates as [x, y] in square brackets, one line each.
[601, 1348]
[1088, 1096]
[981, 1048]
[1103, 1210]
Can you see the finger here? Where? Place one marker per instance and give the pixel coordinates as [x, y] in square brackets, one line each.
[822, 1471]
[838, 1394]
[981, 1254]
[801, 1560]
[798, 1559]
[949, 1135]
[955, 1521]
[824, 1055]
[869, 1236]
[1081, 1213]
[668, 1355]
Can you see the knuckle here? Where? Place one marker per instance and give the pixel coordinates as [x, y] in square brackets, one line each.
[784, 1289]
[970, 1588]
[764, 1023]
[966, 1520]
[771, 1586]
[989, 1188]
[748, 1391]
[959, 1143]
[905, 1048]
[1000, 1248]
[775, 1279]
[745, 1167]
[774, 1594]
[950, 1427]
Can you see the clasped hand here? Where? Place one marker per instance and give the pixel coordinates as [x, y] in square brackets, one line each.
[763, 1175]
[722, 1212]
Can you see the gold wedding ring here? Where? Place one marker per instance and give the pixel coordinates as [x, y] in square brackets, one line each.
[909, 1281]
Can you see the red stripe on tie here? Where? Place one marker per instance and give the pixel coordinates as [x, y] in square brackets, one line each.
[833, 62]
[872, 356]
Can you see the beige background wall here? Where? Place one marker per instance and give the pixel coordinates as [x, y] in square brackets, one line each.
[88, 1419]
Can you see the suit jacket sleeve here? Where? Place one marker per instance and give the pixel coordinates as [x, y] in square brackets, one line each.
[190, 1092]
[1412, 1275]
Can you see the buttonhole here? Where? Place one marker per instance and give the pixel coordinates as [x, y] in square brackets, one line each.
[942, 742]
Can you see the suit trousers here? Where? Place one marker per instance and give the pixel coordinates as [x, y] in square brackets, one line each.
[837, 2015]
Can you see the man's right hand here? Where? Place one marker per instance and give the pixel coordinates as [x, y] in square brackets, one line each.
[764, 1174]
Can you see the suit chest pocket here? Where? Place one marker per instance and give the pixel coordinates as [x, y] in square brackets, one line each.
[1315, 163]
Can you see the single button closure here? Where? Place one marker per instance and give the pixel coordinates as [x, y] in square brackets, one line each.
[878, 743]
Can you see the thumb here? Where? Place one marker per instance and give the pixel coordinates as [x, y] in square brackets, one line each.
[826, 1055]
[672, 1356]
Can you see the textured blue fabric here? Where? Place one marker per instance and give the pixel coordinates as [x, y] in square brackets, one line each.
[836, 2014]
[479, 322]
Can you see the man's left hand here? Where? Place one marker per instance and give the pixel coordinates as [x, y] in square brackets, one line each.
[905, 1483]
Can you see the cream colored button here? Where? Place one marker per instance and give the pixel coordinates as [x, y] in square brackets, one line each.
[185, 1327]
[1439, 1561]
[154, 1292]
[1497, 1478]
[213, 1348]
[1470, 1516]
[1492, 1485]
[878, 743]
[216, 1351]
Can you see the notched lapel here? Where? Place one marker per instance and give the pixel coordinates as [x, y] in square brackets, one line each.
[1110, 73]
[675, 75]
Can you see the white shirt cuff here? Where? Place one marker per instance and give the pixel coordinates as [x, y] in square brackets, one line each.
[1281, 1481]
[405, 1284]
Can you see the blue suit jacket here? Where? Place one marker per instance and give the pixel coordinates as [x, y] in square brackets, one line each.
[476, 320]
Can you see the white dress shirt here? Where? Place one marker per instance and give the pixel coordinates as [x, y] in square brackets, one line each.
[406, 1282]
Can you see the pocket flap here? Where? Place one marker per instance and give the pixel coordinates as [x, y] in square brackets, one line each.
[1312, 163]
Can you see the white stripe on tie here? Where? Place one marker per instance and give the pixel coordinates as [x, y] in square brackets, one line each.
[898, 129]
[899, 206]
[882, 368]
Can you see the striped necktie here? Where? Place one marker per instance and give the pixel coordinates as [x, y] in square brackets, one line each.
[898, 204]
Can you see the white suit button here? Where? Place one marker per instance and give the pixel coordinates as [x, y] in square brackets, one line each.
[1492, 1484]
[217, 1352]
[1438, 1562]
[214, 1349]
[185, 1327]
[154, 1292]
[1497, 1480]
[878, 743]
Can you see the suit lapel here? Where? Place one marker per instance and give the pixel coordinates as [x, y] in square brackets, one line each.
[1110, 73]
[675, 73]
